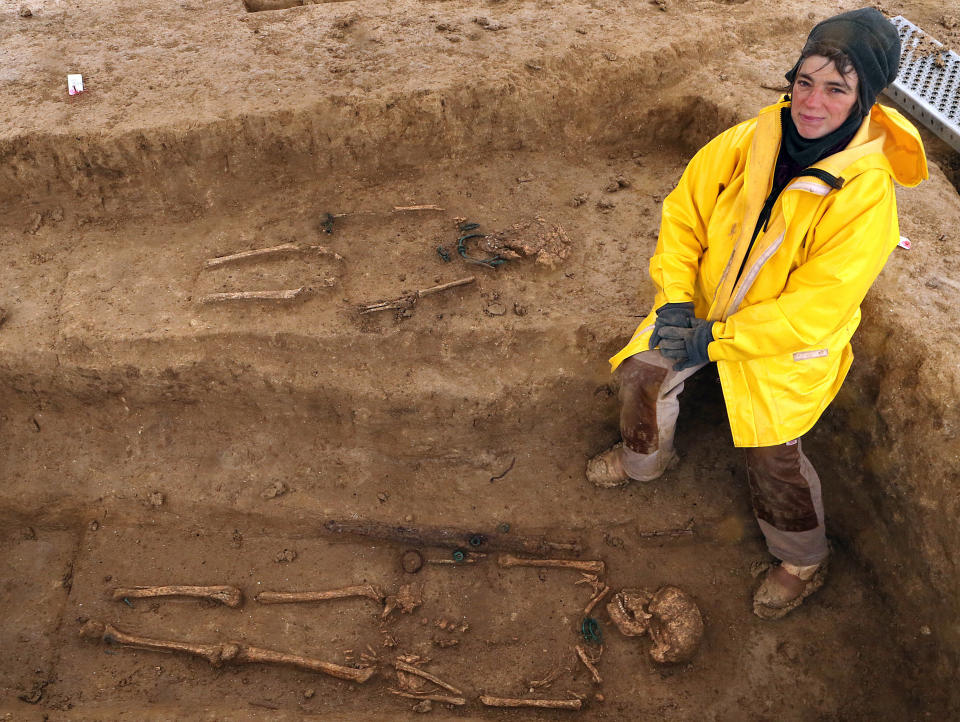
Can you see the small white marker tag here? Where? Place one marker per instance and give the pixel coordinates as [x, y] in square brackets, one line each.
[74, 84]
[805, 355]
[904, 242]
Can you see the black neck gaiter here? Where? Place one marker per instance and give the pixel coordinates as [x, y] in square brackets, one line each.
[806, 151]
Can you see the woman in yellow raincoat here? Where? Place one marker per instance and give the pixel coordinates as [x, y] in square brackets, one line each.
[768, 245]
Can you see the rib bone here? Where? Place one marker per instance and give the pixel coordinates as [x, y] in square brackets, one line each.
[231, 596]
[221, 652]
[588, 662]
[458, 701]
[410, 300]
[593, 567]
[595, 601]
[360, 590]
[410, 669]
[541, 703]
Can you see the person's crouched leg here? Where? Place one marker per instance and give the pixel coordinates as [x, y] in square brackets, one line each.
[787, 501]
[649, 406]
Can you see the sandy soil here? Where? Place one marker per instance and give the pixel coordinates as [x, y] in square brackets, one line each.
[145, 434]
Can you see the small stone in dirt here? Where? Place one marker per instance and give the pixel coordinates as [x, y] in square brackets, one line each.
[423, 706]
[277, 488]
[446, 643]
[33, 225]
[605, 204]
[525, 178]
[94, 525]
[495, 309]
[25, 11]
[580, 31]
[616, 184]
[926, 631]
[662, 4]
[487, 24]
[382, 497]
[579, 200]
[156, 499]
[408, 518]
[236, 539]
[308, 694]
[285, 557]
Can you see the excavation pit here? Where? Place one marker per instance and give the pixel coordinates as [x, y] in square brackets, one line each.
[153, 439]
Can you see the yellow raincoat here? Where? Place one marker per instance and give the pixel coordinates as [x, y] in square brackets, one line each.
[782, 332]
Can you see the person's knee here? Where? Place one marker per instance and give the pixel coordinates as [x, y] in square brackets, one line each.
[781, 462]
[638, 378]
[779, 492]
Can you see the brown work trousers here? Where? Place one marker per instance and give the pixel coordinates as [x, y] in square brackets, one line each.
[784, 486]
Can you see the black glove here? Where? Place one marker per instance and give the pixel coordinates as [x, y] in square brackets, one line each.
[687, 345]
[671, 314]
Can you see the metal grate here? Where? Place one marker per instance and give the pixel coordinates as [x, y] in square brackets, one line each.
[928, 84]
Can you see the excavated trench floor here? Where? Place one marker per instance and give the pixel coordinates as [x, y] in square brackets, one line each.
[145, 449]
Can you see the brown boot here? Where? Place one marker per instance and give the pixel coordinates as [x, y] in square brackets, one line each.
[606, 470]
[785, 586]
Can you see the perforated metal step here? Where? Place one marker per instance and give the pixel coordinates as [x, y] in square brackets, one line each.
[928, 85]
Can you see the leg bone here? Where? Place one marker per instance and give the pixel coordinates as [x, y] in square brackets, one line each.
[219, 653]
[592, 567]
[360, 590]
[231, 596]
[541, 703]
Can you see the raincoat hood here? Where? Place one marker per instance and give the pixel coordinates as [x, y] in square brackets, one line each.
[885, 140]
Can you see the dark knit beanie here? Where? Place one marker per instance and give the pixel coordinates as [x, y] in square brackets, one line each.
[869, 40]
